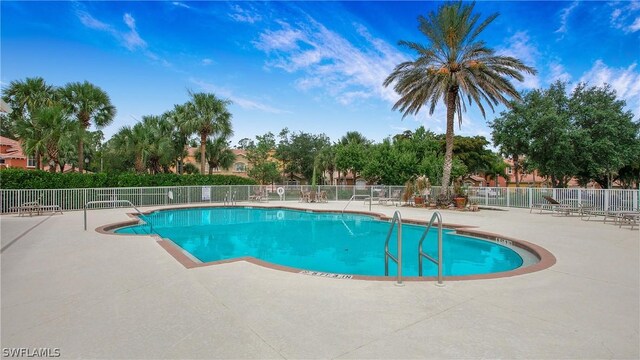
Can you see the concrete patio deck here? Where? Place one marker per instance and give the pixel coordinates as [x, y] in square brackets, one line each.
[93, 295]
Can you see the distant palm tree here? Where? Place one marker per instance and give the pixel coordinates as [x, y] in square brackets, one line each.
[179, 135]
[159, 146]
[218, 154]
[453, 66]
[136, 139]
[327, 161]
[89, 104]
[26, 98]
[353, 137]
[208, 116]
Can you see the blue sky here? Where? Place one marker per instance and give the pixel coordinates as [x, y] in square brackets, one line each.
[310, 66]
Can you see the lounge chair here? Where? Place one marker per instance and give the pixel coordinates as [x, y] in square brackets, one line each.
[394, 198]
[304, 196]
[322, 197]
[35, 207]
[546, 205]
[258, 195]
[629, 218]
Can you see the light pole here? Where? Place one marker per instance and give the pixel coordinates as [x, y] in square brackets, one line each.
[86, 163]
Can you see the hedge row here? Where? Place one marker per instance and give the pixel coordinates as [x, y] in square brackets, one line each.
[36, 179]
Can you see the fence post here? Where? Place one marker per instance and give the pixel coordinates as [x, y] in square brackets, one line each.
[508, 197]
[606, 199]
[530, 198]
[336, 191]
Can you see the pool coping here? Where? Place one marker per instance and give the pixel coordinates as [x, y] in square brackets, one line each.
[545, 258]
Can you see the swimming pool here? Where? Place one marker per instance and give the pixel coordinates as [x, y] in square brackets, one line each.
[321, 241]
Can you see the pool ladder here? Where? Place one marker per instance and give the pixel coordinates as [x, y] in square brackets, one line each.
[397, 219]
[113, 204]
[421, 254]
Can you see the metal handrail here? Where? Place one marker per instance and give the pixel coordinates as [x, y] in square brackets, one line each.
[353, 197]
[436, 215]
[111, 202]
[230, 198]
[398, 260]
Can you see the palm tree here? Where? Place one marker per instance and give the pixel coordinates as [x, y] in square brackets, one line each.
[354, 137]
[56, 129]
[26, 98]
[208, 116]
[218, 154]
[327, 161]
[179, 135]
[134, 139]
[89, 104]
[159, 150]
[455, 65]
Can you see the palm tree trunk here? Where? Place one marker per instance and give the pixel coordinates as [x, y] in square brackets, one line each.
[203, 155]
[516, 165]
[81, 154]
[139, 164]
[448, 152]
[38, 160]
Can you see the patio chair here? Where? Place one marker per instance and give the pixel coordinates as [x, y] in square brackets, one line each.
[304, 196]
[257, 195]
[32, 207]
[630, 218]
[322, 197]
[394, 198]
[551, 202]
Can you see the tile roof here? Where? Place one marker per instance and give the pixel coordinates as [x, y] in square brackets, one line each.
[10, 149]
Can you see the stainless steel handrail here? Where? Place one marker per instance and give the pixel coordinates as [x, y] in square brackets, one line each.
[396, 219]
[353, 197]
[436, 215]
[230, 198]
[111, 202]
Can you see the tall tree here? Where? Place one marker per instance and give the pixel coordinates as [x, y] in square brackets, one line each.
[510, 132]
[208, 116]
[56, 128]
[26, 97]
[453, 66]
[263, 168]
[90, 104]
[218, 154]
[608, 139]
[180, 134]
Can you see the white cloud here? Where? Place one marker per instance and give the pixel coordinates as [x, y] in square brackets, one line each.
[238, 100]
[564, 17]
[132, 39]
[626, 16]
[207, 61]
[244, 15]
[179, 4]
[558, 72]
[89, 21]
[519, 46]
[330, 62]
[625, 81]
[129, 38]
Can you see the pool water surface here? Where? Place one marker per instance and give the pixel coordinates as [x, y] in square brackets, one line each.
[319, 241]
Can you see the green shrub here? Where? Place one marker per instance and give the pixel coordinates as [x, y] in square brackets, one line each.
[37, 179]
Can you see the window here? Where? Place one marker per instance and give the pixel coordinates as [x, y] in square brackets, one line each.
[31, 161]
[240, 167]
[1, 160]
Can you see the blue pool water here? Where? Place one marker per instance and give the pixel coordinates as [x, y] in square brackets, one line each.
[326, 242]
